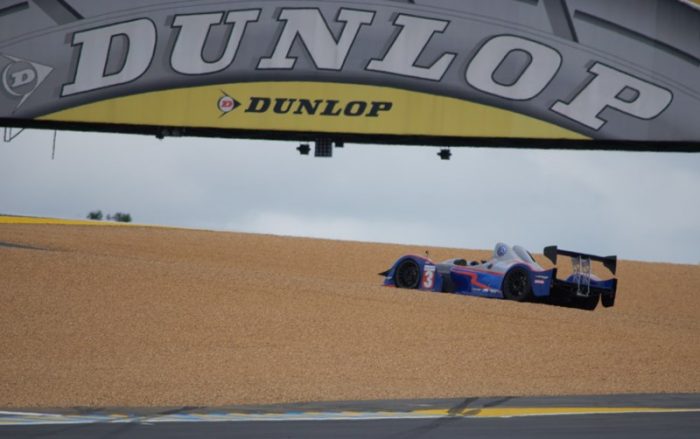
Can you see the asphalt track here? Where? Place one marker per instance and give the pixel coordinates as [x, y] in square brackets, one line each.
[626, 416]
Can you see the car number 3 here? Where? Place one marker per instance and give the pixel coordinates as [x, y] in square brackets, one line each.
[428, 279]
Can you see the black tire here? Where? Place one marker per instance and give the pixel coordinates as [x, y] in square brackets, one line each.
[516, 285]
[588, 303]
[407, 274]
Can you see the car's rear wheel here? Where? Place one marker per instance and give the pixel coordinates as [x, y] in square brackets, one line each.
[516, 285]
[407, 274]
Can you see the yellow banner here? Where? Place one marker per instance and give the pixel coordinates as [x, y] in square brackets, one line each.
[314, 107]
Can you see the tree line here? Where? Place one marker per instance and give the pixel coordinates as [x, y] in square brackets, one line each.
[119, 217]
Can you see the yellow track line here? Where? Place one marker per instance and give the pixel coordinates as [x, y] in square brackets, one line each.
[58, 221]
[10, 418]
[547, 411]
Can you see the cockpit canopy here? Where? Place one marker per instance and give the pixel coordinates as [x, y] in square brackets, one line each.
[503, 252]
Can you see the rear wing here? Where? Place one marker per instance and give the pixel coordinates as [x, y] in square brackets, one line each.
[610, 262]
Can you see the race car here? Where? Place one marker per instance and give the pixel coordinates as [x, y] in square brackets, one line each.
[511, 273]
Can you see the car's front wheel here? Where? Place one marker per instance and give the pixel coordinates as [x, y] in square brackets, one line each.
[516, 285]
[407, 274]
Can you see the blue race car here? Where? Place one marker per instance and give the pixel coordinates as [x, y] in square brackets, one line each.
[512, 273]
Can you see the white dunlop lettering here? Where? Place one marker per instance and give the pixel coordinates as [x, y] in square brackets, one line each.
[544, 65]
[95, 46]
[187, 57]
[413, 39]
[607, 90]
[507, 66]
[312, 29]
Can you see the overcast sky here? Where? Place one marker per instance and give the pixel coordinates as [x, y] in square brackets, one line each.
[642, 206]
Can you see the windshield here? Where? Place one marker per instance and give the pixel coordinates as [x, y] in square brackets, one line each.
[523, 254]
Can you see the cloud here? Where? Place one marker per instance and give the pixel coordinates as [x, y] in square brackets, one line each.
[640, 206]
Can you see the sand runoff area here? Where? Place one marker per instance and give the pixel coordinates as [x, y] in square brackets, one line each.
[143, 316]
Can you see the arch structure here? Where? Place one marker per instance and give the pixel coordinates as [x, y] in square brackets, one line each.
[529, 73]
